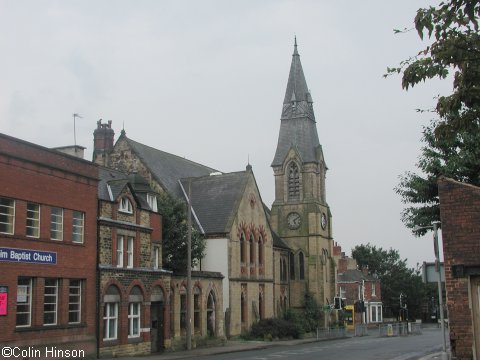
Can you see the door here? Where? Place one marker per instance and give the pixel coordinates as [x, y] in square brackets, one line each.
[157, 330]
[475, 293]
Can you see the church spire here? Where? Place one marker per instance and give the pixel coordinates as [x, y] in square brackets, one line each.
[298, 101]
[298, 127]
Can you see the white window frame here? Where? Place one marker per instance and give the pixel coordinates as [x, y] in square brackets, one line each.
[52, 300]
[343, 292]
[78, 226]
[125, 205]
[108, 318]
[56, 224]
[7, 210]
[27, 295]
[33, 220]
[130, 250]
[134, 318]
[120, 240]
[373, 289]
[156, 257]
[152, 202]
[75, 298]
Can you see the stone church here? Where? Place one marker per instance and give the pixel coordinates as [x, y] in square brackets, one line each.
[269, 258]
[300, 214]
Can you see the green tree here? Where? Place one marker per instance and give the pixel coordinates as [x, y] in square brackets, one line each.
[175, 232]
[456, 156]
[453, 48]
[394, 275]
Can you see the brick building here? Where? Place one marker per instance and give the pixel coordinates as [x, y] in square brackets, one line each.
[460, 213]
[359, 288]
[48, 207]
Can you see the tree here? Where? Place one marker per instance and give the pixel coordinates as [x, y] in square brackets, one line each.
[175, 231]
[455, 47]
[457, 157]
[395, 277]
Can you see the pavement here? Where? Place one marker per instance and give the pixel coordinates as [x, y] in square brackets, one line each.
[232, 346]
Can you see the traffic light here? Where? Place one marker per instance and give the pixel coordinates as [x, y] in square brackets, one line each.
[343, 303]
[338, 304]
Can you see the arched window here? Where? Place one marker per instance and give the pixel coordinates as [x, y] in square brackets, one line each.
[292, 267]
[242, 248]
[252, 249]
[243, 309]
[110, 314]
[260, 251]
[183, 308]
[261, 305]
[325, 264]
[293, 182]
[211, 329]
[196, 308]
[301, 266]
[281, 270]
[135, 300]
[172, 312]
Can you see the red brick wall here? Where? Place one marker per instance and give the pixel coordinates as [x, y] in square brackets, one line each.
[30, 173]
[459, 211]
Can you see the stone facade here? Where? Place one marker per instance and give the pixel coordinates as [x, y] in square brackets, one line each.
[459, 212]
[300, 214]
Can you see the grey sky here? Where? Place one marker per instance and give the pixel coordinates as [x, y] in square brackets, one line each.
[206, 80]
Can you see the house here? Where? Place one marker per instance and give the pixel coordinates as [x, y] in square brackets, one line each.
[48, 242]
[358, 288]
[459, 213]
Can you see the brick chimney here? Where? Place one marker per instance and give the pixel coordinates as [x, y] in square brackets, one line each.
[102, 142]
[337, 250]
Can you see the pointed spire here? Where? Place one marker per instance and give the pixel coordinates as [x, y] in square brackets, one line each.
[297, 95]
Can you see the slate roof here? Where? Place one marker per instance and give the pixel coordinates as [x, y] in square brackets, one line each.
[112, 177]
[168, 168]
[298, 128]
[354, 275]
[215, 199]
[117, 181]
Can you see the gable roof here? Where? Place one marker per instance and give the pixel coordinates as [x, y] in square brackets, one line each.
[167, 168]
[215, 198]
[113, 182]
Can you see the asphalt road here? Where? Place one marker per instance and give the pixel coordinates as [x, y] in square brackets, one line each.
[365, 348]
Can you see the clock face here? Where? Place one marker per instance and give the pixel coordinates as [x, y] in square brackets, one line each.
[294, 220]
[324, 221]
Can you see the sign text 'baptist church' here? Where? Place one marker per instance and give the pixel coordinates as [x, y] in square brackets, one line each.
[28, 256]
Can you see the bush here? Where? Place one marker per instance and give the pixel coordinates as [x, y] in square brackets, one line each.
[275, 328]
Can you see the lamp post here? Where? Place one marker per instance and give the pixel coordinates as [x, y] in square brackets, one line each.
[435, 225]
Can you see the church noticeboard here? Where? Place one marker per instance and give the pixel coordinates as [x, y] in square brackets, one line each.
[3, 300]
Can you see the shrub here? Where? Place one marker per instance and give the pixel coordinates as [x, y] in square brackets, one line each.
[275, 328]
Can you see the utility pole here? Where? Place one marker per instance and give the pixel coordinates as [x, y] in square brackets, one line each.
[189, 268]
[438, 270]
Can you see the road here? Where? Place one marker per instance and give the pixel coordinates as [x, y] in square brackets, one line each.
[364, 348]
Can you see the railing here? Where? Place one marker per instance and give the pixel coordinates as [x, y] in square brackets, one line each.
[361, 330]
[399, 329]
[330, 333]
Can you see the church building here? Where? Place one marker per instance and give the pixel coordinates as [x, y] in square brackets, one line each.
[300, 214]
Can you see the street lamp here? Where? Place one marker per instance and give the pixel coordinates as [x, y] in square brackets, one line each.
[435, 225]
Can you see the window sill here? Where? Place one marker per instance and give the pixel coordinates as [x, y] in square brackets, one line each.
[135, 340]
[49, 327]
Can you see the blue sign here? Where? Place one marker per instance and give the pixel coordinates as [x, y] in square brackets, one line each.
[28, 256]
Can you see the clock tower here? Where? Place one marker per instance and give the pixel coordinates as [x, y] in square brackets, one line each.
[300, 214]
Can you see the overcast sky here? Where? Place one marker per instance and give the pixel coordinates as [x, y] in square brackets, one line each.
[206, 80]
